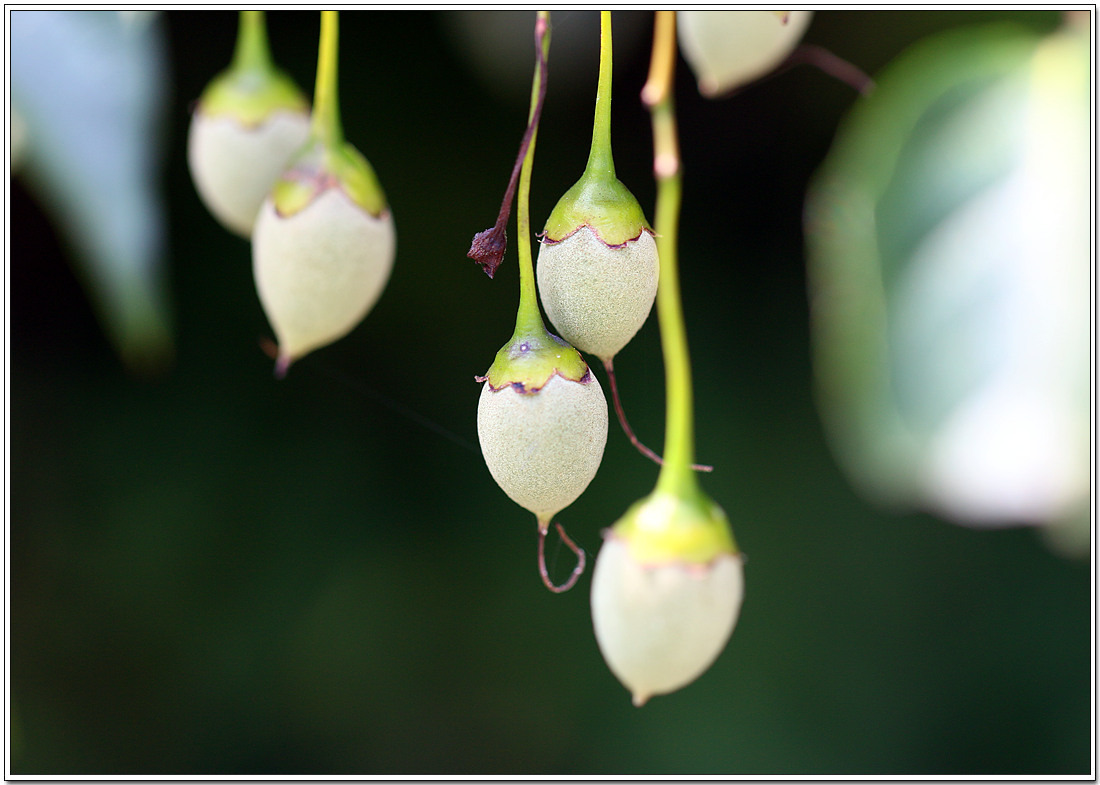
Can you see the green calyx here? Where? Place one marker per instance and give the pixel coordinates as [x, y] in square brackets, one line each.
[320, 166]
[251, 95]
[666, 527]
[327, 161]
[252, 88]
[598, 200]
[531, 358]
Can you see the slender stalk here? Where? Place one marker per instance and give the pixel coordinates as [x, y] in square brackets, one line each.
[252, 52]
[828, 63]
[488, 246]
[326, 103]
[662, 63]
[528, 317]
[676, 473]
[599, 157]
[609, 366]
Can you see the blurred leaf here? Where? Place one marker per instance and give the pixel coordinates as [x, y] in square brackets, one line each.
[91, 91]
[948, 240]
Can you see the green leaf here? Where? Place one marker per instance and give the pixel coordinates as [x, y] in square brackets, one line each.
[947, 239]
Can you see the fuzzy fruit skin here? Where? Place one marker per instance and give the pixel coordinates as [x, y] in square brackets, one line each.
[234, 164]
[729, 49]
[320, 271]
[660, 626]
[544, 447]
[598, 296]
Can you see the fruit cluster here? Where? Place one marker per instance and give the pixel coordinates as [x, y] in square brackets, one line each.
[323, 238]
[668, 582]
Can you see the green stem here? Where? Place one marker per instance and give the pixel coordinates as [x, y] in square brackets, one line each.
[326, 103]
[676, 474]
[528, 317]
[599, 157]
[252, 52]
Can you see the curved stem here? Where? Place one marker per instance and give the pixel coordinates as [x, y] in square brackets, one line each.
[326, 103]
[528, 317]
[676, 475]
[609, 366]
[251, 52]
[599, 157]
[829, 63]
[577, 571]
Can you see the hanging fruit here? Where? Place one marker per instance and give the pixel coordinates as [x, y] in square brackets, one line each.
[324, 242]
[542, 417]
[247, 125]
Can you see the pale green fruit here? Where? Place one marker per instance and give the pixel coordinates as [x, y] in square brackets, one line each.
[729, 49]
[543, 447]
[234, 164]
[660, 626]
[320, 270]
[598, 296]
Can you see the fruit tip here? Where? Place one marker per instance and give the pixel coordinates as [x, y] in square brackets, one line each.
[282, 365]
[282, 361]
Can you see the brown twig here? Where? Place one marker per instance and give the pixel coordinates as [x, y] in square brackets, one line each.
[489, 246]
[610, 368]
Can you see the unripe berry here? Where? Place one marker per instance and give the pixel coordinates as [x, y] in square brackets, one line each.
[248, 124]
[729, 49]
[320, 270]
[660, 627]
[234, 165]
[543, 447]
[323, 246]
[666, 593]
[541, 417]
[598, 295]
[597, 264]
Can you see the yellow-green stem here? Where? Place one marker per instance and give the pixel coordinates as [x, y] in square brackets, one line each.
[326, 103]
[599, 157]
[528, 317]
[676, 475]
[251, 52]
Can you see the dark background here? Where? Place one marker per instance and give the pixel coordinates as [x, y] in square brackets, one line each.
[212, 572]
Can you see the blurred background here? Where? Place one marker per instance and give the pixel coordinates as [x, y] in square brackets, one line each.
[214, 572]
